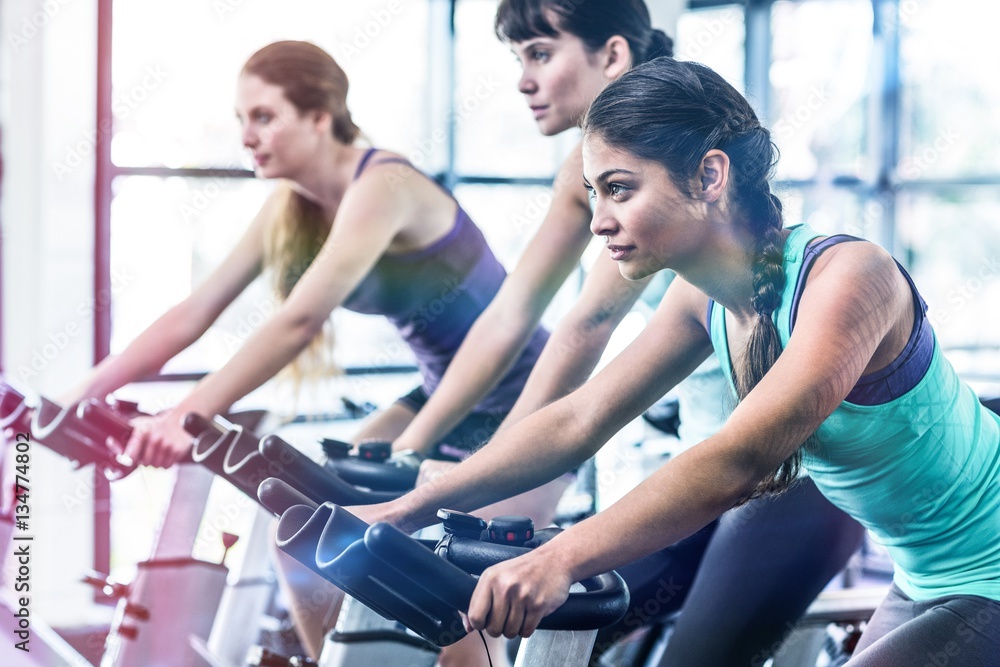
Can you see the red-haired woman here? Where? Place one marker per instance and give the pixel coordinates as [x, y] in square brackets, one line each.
[346, 226]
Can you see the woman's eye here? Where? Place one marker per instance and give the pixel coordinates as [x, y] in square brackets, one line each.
[615, 189]
[264, 118]
[540, 56]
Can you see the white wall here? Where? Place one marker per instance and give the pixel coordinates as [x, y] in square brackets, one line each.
[47, 84]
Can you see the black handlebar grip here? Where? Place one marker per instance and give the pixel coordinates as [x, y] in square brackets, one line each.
[279, 496]
[195, 425]
[14, 413]
[297, 469]
[604, 602]
[100, 416]
[374, 475]
[63, 431]
[107, 423]
[10, 400]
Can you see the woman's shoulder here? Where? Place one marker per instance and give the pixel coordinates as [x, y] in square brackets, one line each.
[384, 173]
[858, 257]
[857, 276]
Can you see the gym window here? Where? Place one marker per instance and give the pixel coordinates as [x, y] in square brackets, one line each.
[885, 133]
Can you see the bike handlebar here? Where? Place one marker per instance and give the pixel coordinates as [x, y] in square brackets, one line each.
[402, 578]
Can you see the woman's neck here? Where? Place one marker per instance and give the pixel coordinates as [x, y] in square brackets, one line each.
[325, 179]
[724, 271]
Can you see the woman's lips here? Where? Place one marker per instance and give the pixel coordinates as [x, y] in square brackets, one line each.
[620, 252]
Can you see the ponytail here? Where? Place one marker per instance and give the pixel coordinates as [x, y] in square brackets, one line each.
[293, 242]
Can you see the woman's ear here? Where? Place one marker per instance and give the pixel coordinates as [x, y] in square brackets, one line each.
[712, 176]
[617, 57]
[323, 120]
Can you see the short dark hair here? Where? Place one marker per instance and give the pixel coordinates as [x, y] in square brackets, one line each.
[593, 21]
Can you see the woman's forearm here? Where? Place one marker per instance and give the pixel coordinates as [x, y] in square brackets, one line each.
[488, 352]
[173, 332]
[565, 364]
[576, 346]
[527, 455]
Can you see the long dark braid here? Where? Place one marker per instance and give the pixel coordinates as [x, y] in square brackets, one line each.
[674, 113]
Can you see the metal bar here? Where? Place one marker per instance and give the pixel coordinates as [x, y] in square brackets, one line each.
[758, 56]
[102, 263]
[212, 172]
[502, 180]
[1, 254]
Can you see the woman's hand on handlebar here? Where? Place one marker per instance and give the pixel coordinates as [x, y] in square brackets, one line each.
[158, 441]
[374, 513]
[512, 597]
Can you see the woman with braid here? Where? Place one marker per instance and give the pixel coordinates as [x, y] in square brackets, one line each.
[743, 579]
[832, 360]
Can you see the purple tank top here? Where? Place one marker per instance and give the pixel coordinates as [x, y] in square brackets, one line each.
[909, 367]
[435, 294]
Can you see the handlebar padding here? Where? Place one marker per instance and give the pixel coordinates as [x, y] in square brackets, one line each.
[278, 496]
[604, 602]
[378, 476]
[312, 479]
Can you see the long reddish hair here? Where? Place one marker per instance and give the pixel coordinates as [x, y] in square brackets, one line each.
[312, 81]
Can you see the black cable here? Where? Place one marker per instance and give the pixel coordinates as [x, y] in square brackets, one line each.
[485, 646]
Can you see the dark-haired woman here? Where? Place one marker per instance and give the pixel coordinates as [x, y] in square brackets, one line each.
[569, 51]
[833, 361]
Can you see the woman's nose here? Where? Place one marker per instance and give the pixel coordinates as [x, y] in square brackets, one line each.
[526, 84]
[602, 224]
[249, 137]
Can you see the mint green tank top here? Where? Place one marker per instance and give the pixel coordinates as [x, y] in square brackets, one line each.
[920, 472]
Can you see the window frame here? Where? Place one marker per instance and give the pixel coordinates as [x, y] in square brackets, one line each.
[883, 148]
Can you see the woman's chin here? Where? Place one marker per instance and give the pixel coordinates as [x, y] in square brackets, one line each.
[631, 271]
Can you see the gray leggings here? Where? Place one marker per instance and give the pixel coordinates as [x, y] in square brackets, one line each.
[956, 630]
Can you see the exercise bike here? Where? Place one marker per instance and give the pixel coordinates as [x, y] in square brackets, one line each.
[245, 460]
[409, 593]
[172, 591]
